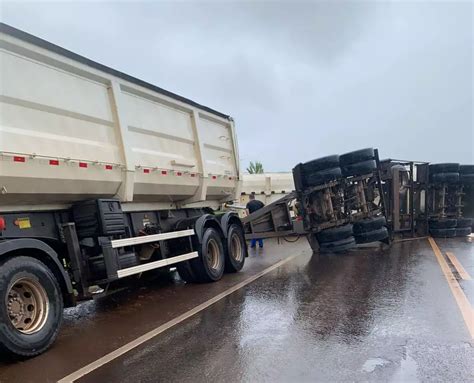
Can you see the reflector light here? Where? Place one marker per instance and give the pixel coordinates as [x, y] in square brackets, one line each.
[54, 162]
[164, 172]
[193, 175]
[3, 224]
[108, 167]
[19, 159]
[179, 174]
[82, 164]
[146, 171]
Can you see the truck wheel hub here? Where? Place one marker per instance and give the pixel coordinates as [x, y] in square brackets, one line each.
[27, 305]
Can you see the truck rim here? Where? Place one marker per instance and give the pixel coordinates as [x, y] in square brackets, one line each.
[213, 257]
[236, 247]
[27, 304]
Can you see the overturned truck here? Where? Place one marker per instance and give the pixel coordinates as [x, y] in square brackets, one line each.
[339, 202]
[356, 198]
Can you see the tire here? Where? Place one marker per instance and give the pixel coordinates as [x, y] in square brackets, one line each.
[338, 246]
[369, 224]
[319, 164]
[463, 231]
[186, 272]
[466, 169]
[444, 168]
[313, 242]
[443, 223]
[323, 176]
[443, 233]
[372, 236]
[34, 295]
[359, 168]
[334, 234]
[464, 222]
[445, 177]
[361, 155]
[209, 266]
[236, 249]
[467, 178]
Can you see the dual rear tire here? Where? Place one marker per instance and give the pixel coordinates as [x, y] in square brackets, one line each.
[216, 256]
[371, 230]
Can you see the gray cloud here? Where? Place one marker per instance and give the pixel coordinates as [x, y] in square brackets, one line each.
[302, 80]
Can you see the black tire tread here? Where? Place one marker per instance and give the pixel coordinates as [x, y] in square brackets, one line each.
[359, 168]
[323, 176]
[322, 163]
[443, 233]
[463, 231]
[442, 223]
[231, 266]
[369, 224]
[372, 236]
[451, 177]
[356, 156]
[450, 167]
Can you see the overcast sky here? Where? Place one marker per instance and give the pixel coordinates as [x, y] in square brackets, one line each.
[302, 80]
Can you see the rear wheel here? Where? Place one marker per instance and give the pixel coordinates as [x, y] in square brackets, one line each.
[209, 266]
[236, 249]
[31, 306]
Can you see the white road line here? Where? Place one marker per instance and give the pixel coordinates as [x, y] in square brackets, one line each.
[151, 334]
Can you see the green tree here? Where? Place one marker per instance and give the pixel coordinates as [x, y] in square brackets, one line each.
[255, 167]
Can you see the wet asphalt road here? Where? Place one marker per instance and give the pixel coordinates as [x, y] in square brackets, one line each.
[368, 315]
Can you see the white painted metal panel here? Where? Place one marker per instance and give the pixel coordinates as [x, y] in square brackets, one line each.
[70, 130]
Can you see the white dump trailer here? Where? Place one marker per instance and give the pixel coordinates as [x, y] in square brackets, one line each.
[267, 187]
[102, 176]
[72, 129]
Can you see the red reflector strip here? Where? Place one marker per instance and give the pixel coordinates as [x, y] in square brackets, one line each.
[54, 162]
[108, 167]
[146, 171]
[179, 174]
[164, 172]
[214, 177]
[82, 164]
[19, 159]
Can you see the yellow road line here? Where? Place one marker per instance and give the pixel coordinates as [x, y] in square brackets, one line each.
[463, 304]
[463, 273]
[151, 334]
